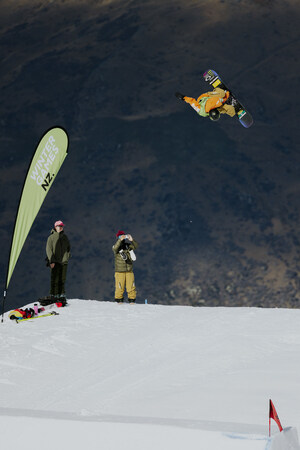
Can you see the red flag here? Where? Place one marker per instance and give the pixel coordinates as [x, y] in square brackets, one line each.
[273, 415]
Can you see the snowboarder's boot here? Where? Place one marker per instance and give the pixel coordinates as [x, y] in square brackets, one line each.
[62, 299]
[48, 300]
[233, 102]
[119, 300]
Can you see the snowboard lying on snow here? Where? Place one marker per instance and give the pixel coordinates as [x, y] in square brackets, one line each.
[21, 319]
[43, 308]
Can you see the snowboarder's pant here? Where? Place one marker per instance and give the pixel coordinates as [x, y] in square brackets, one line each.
[58, 279]
[227, 109]
[122, 280]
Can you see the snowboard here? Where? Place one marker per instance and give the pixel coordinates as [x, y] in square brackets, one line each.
[245, 118]
[22, 319]
[49, 300]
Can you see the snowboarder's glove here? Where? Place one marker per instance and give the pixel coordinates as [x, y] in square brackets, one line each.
[180, 96]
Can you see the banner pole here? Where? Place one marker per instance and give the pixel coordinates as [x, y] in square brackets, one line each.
[4, 296]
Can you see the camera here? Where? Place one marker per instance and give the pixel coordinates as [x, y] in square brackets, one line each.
[123, 255]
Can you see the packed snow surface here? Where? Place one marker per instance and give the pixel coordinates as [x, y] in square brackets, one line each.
[139, 377]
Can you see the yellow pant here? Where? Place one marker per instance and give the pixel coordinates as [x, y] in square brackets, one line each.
[122, 280]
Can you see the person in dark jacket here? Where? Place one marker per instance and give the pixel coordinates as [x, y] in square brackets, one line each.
[58, 254]
[124, 257]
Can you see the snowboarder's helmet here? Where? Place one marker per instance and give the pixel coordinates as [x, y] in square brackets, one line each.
[214, 114]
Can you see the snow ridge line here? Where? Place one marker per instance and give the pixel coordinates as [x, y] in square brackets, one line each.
[235, 429]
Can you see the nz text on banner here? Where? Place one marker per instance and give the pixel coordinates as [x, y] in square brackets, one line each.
[46, 162]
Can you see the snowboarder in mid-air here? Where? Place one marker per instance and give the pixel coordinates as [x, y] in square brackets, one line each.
[219, 101]
[211, 104]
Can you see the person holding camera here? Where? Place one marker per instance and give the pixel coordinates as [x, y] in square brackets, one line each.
[124, 276]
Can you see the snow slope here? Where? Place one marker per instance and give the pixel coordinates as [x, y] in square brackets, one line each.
[103, 375]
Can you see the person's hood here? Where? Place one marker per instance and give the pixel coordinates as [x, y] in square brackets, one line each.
[54, 231]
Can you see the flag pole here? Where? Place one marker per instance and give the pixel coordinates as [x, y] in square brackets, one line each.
[4, 296]
[270, 409]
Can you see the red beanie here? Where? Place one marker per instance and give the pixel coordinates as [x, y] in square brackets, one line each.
[120, 233]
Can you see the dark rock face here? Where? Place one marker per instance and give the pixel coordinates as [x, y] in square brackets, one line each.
[215, 207]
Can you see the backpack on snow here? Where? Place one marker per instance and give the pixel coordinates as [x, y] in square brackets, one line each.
[20, 313]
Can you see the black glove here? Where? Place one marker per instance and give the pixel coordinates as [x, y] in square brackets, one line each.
[179, 96]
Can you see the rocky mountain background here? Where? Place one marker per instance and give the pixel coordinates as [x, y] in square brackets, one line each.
[214, 206]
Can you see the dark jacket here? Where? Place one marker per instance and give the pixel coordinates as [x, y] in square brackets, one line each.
[120, 264]
[58, 248]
